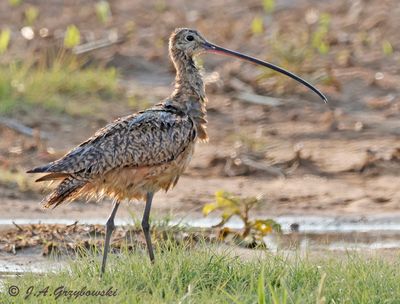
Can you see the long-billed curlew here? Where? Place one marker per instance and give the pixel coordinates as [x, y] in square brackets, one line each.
[137, 155]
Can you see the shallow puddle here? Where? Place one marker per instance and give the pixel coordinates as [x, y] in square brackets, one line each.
[326, 233]
[300, 233]
[305, 224]
[316, 224]
[28, 260]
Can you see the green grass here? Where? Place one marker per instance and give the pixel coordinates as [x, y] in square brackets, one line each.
[63, 86]
[186, 275]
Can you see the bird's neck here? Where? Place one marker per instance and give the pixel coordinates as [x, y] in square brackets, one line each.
[189, 94]
[188, 80]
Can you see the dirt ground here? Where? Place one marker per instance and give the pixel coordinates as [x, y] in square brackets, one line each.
[304, 156]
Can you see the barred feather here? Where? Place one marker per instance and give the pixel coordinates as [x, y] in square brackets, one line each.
[139, 153]
[65, 191]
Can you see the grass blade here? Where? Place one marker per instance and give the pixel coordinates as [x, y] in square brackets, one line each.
[260, 288]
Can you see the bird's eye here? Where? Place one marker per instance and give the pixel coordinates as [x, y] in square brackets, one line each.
[189, 38]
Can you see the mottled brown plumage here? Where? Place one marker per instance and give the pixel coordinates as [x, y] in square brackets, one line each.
[138, 155]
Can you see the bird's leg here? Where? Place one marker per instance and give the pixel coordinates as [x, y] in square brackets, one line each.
[109, 229]
[146, 225]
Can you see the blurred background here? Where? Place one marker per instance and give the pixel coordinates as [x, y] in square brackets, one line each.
[69, 67]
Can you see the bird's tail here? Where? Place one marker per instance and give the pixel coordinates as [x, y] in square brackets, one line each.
[67, 190]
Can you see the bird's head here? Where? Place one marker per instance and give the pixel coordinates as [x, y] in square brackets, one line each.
[186, 42]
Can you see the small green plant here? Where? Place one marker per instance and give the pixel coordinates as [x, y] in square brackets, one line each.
[31, 14]
[319, 38]
[72, 37]
[387, 48]
[257, 25]
[269, 6]
[160, 6]
[103, 11]
[297, 49]
[231, 205]
[14, 2]
[5, 35]
[60, 84]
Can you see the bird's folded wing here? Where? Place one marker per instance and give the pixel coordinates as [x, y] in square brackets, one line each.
[144, 139]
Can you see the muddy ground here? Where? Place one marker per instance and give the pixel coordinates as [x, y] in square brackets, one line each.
[304, 156]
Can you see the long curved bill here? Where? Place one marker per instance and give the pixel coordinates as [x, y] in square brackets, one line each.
[212, 48]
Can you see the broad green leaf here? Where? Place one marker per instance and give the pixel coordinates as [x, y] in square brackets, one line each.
[5, 36]
[72, 37]
[221, 202]
[224, 199]
[220, 193]
[208, 208]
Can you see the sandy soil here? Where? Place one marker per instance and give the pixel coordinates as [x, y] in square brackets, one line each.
[327, 185]
[348, 162]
